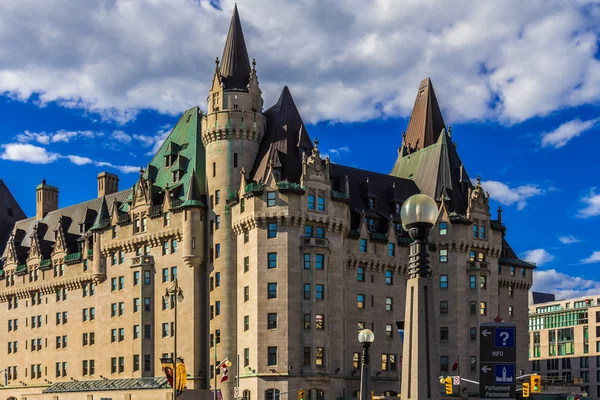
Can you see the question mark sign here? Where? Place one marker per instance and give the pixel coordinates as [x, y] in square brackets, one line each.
[504, 336]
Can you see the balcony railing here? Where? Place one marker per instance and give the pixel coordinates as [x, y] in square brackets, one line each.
[73, 257]
[314, 242]
[139, 261]
[46, 263]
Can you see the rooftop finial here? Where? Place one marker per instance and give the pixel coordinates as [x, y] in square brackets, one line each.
[450, 132]
[217, 62]
[316, 141]
[478, 180]
[254, 64]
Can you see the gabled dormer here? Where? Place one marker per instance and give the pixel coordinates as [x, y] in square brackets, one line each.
[60, 243]
[35, 249]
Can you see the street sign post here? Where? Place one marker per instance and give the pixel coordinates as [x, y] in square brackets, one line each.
[456, 381]
[236, 392]
[497, 355]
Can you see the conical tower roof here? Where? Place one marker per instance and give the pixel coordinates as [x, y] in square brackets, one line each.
[426, 120]
[235, 65]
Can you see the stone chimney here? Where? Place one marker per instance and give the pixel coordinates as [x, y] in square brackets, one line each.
[46, 199]
[107, 184]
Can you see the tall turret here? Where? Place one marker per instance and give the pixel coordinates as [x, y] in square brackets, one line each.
[232, 131]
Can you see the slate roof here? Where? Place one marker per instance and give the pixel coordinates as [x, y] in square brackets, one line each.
[539, 297]
[235, 65]
[284, 142]
[386, 189]
[69, 217]
[109, 384]
[426, 120]
[438, 172]
[510, 258]
[10, 212]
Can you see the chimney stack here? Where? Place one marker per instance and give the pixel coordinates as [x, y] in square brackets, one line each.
[46, 199]
[107, 184]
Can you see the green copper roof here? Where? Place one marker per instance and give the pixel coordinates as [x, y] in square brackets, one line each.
[194, 193]
[103, 216]
[185, 142]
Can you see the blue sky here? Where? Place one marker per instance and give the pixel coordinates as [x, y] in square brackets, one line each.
[88, 90]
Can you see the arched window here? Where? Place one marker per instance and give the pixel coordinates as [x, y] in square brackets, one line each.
[316, 394]
[246, 394]
[272, 394]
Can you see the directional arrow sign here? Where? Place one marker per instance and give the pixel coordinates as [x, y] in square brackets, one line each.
[497, 355]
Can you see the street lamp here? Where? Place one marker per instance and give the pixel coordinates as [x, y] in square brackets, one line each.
[175, 291]
[419, 214]
[365, 337]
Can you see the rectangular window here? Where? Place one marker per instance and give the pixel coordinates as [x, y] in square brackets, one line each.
[272, 257]
[272, 230]
[319, 261]
[319, 232]
[483, 282]
[242, 205]
[472, 282]
[473, 333]
[319, 291]
[321, 203]
[443, 255]
[136, 278]
[320, 357]
[217, 308]
[391, 249]
[306, 321]
[307, 291]
[475, 231]
[361, 301]
[481, 232]
[246, 293]
[443, 281]
[444, 307]
[443, 228]
[217, 250]
[307, 356]
[246, 264]
[389, 277]
[147, 304]
[246, 323]
[271, 196]
[473, 363]
[217, 222]
[355, 360]
[389, 304]
[473, 308]
[147, 362]
[147, 331]
[444, 333]
[272, 291]
[136, 305]
[443, 363]
[306, 261]
[272, 321]
[308, 230]
[311, 202]
[235, 160]
[146, 277]
[389, 332]
[246, 357]
[319, 321]
[360, 274]
[363, 245]
[272, 355]
[483, 308]
[217, 197]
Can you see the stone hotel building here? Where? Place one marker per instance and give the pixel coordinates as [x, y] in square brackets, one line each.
[282, 257]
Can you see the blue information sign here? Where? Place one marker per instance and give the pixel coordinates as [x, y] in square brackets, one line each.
[504, 337]
[504, 374]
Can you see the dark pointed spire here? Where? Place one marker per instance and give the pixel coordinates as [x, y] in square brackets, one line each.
[103, 216]
[235, 65]
[193, 197]
[426, 120]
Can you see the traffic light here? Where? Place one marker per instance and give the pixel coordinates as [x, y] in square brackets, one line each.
[300, 394]
[448, 382]
[525, 389]
[536, 383]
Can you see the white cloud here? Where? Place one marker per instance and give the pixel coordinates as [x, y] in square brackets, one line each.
[592, 208]
[537, 256]
[336, 153]
[488, 60]
[121, 136]
[78, 160]
[28, 153]
[145, 139]
[25, 152]
[567, 131]
[62, 135]
[562, 285]
[594, 258]
[569, 239]
[508, 196]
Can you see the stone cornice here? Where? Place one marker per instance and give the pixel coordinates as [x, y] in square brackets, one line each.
[130, 244]
[45, 288]
[290, 218]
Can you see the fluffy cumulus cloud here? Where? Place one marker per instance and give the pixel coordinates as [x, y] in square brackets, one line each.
[344, 61]
[61, 136]
[594, 258]
[336, 153]
[537, 256]
[592, 205]
[29, 153]
[121, 136]
[562, 285]
[570, 239]
[508, 196]
[567, 131]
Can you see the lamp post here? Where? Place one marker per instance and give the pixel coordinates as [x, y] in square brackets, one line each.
[175, 291]
[419, 214]
[365, 337]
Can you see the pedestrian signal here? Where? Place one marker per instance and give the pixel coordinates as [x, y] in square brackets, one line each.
[525, 389]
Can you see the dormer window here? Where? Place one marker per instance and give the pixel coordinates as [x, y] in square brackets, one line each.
[168, 160]
[397, 208]
[482, 232]
[443, 228]
[176, 176]
[311, 202]
[398, 227]
[372, 203]
[371, 224]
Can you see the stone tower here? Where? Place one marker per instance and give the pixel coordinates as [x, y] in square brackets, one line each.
[232, 131]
